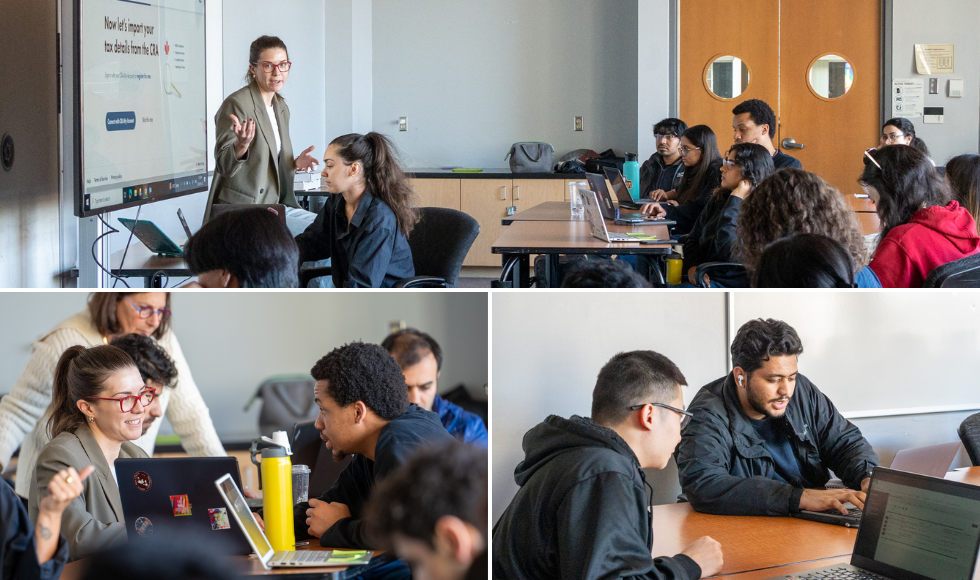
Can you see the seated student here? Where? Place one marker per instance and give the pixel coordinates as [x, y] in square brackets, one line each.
[37, 550]
[245, 248]
[96, 412]
[746, 165]
[156, 369]
[793, 201]
[805, 261]
[602, 274]
[963, 176]
[755, 122]
[582, 510]
[763, 438]
[699, 152]
[432, 511]
[901, 131]
[921, 228]
[661, 174]
[365, 229]
[420, 358]
[364, 412]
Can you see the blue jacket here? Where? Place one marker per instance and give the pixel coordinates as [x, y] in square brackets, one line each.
[461, 424]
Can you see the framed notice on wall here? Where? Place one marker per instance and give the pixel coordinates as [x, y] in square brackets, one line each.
[908, 96]
[934, 59]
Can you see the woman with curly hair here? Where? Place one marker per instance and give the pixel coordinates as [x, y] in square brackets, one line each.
[793, 201]
[921, 228]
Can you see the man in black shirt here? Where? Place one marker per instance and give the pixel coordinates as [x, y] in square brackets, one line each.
[755, 122]
[763, 437]
[582, 509]
[662, 172]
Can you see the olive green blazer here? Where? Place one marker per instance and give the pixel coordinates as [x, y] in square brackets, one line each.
[94, 520]
[262, 176]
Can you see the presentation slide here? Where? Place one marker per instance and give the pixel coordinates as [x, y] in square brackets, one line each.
[143, 106]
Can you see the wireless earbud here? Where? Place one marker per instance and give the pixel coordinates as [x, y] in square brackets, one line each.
[740, 380]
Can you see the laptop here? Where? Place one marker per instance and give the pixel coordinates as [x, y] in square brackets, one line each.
[228, 488]
[915, 528]
[152, 237]
[593, 213]
[597, 183]
[622, 192]
[161, 500]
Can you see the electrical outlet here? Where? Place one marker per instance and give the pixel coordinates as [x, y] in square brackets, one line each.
[580, 123]
[403, 123]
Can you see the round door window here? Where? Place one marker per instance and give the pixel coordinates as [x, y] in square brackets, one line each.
[831, 76]
[726, 77]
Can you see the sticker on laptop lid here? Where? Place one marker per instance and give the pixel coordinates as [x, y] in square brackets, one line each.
[144, 526]
[143, 481]
[181, 505]
[219, 519]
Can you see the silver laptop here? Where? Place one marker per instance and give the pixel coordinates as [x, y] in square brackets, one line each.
[260, 543]
[593, 214]
[597, 183]
[934, 460]
[915, 527]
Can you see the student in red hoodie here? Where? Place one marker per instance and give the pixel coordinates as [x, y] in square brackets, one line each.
[921, 227]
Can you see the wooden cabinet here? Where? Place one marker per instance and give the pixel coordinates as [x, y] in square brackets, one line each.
[487, 201]
[436, 192]
[531, 192]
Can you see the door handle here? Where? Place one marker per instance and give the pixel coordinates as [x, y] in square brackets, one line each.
[790, 143]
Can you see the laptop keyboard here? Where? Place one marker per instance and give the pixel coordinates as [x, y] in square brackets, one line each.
[856, 512]
[295, 558]
[841, 573]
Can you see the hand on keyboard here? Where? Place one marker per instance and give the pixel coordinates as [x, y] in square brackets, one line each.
[819, 500]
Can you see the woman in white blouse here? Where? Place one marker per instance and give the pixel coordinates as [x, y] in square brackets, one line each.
[109, 314]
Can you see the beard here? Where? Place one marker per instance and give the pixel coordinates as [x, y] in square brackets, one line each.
[338, 455]
[758, 404]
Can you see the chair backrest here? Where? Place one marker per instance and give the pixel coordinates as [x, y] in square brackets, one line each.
[963, 273]
[309, 449]
[440, 242]
[969, 432]
[286, 399]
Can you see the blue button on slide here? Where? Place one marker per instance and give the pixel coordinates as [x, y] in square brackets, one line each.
[124, 121]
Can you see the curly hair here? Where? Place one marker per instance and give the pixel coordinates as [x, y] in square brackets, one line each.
[150, 358]
[364, 372]
[447, 479]
[758, 340]
[905, 181]
[793, 201]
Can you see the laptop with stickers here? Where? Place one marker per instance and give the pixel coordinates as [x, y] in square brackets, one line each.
[167, 497]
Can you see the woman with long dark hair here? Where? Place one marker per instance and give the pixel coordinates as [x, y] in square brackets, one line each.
[805, 261]
[744, 167]
[901, 131]
[253, 154]
[364, 229]
[702, 165]
[963, 176]
[921, 228]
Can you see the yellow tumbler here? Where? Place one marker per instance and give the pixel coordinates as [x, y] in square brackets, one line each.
[675, 269]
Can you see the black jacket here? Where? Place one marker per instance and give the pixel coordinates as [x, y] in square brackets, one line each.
[781, 161]
[401, 437]
[687, 213]
[18, 546]
[581, 511]
[655, 174]
[723, 464]
[713, 233]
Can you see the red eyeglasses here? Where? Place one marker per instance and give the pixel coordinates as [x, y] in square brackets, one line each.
[126, 404]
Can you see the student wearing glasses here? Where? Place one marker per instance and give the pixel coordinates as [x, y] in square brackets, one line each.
[108, 316]
[96, 413]
[662, 172]
[253, 155]
[901, 131]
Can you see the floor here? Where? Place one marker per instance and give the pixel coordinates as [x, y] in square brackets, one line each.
[477, 276]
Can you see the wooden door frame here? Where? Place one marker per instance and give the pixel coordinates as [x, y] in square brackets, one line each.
[887, 24]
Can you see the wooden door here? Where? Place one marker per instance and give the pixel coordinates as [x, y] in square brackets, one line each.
[486, 200]
[835, 131]
[436, 192]
[713, 28]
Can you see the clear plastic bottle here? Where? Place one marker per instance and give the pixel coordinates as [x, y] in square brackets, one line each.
[575, 198]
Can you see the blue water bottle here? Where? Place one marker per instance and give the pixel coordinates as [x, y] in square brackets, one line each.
[631, 173]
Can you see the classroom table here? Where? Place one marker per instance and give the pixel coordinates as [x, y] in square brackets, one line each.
[549, 211]
[142, 263]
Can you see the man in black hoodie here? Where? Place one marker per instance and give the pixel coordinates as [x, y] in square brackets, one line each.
[582, 510]
[364, 412]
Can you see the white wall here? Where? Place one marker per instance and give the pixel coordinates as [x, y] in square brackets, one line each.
[948, 22]
[475, 77]
[233, 340]
[653, 71]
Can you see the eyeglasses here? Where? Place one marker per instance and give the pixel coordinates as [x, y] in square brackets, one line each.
[148, 311]
[667, 136]
[867, 155]
[268, 66]
[685, 416]
[686, 150]
[728, 162]
[126, 404]
[891, 137]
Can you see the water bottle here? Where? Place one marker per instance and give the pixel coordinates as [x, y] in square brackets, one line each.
[631, 173]
[276, 482]
[575, 196]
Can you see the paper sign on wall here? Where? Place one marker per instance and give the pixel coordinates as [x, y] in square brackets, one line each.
[908, 96]
[934, 59]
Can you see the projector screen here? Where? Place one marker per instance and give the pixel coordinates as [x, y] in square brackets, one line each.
[142, 135]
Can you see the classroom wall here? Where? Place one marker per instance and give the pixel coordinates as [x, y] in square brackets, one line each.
[475, 77]
[232, 341]
[652, 71]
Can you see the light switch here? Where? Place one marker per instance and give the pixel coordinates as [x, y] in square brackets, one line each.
[934, 86]
[579, 123]
[955, 88]
[403, 123]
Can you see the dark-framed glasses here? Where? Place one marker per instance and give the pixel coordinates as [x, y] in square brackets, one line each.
[126, 404]
[268, 66]
[891, 137]
[667, 136]
[148, 311]
[685, 416]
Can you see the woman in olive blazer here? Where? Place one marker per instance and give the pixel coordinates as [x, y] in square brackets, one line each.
[253, 154]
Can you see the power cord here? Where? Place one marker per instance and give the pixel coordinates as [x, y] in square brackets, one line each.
[111, 230]
[129, 241]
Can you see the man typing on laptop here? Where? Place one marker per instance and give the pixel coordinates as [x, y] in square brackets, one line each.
[764, 437]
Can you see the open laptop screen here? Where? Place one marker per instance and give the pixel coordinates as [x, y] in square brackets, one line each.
[237, 504]
[917, 527]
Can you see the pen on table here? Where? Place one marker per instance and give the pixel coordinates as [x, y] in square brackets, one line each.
[306, 543]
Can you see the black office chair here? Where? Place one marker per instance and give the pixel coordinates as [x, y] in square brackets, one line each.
[439, 243]
[727, 274]
[969, 432]
[963, 273]
[309, 449]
